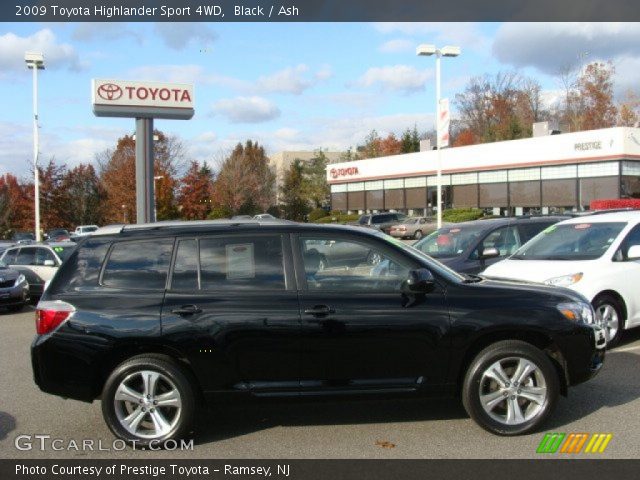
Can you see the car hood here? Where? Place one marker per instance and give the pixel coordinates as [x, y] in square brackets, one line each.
[561, 293]
[8, 274]
[536, 270]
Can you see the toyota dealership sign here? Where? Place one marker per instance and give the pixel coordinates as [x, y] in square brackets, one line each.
[120, 98]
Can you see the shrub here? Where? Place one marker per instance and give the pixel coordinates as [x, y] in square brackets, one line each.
[456, 215]
[316, 214]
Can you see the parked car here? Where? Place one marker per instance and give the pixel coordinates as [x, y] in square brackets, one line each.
[597, 256]
[57, 235]
[23, 237]
[381, 221]
[469, 247]
[5, 244]
[84, 230]
[37, 262]
[264, 216]
[14, 289]
[153, 318]
[413, 227]
[241, 217]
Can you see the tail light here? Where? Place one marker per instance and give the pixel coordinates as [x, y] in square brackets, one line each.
[51, 314]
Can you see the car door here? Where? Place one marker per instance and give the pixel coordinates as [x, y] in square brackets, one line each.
[359, 332]
[45, 263]
[505, 239]
[232, 307]
[629, 270]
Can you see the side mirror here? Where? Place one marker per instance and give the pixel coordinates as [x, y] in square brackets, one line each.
[49, 263]
[491, 252]
[634, 252]
[419, 281]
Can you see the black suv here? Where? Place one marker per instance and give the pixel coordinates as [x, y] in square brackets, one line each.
[381, 221]
[155, 319]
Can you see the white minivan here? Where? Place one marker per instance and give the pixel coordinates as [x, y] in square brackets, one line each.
[596, 255]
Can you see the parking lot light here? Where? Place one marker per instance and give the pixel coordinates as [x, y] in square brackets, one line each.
[426, 50]
[35, 61]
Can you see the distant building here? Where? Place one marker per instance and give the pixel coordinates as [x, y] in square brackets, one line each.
[544, 174]
[281, 161]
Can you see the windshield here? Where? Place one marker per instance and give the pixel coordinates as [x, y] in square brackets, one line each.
[574, 241]
[90, 229]
[450, 241]
[363, 220]
[443, 269]
[63, 252]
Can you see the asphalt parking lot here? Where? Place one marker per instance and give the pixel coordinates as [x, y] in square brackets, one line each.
[390, 428]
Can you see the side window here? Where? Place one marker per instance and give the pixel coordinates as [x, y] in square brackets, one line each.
[27, 256]
[185, 269]
[242, 263]
[138, 264]
[633, 238]
[43, 254]
[504, 239]
[530, 230]
[350, 265]
[9, 258]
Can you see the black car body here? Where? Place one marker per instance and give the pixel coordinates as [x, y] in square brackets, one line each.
[470, 247]
[23, 237]
[381, 221]
[224, 309]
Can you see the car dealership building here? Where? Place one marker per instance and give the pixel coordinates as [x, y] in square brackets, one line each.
[543, 174]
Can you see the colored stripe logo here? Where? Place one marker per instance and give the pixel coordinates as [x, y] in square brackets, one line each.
[574, 443]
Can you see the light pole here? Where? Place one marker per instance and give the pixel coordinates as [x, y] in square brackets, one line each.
[448, 51]
[35, 61]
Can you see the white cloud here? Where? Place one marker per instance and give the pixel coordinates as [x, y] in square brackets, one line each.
[56, 55]
[178, 35]
[94, 31]
[292, 80]
[189, 73]
[397, 45]
[247, 109]
[466, 35]
[399, 78]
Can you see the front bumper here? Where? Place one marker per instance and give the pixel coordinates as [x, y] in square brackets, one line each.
[17, 295]
[585, 353]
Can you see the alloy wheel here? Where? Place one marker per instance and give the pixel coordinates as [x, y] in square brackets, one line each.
[607, 318]
[148, 404]
[513, 390]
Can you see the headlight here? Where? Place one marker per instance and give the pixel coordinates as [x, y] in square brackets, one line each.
[565, 280]
[19, 280]
[577, 312]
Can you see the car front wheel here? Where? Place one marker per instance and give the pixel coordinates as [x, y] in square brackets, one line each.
[609, 316]
[148, 400]
[510, 388]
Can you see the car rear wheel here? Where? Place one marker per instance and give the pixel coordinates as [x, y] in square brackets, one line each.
[609, 316]
[148, 400]
[510, 388]
[418, 234]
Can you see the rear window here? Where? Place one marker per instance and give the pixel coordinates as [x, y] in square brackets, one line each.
[138, 265]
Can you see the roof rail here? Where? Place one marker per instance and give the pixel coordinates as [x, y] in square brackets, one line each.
[169, 224]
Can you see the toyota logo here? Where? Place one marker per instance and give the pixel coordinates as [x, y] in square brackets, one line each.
[334, 173]
[109, 91]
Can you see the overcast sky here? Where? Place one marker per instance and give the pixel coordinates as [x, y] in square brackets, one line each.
[289, 86]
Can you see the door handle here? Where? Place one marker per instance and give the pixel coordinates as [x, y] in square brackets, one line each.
[319, 311]
[187, 310]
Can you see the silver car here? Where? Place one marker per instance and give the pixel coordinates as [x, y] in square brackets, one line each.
[413, 227]
[37, 262]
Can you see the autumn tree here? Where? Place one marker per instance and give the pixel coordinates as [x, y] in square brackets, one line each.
[196, 192]
[371, 146]
[295, 205]
[16, 205]
[390, 145]
[82, 196]
[53, 213]
[595, 87]
[629, 110]
[245, 180]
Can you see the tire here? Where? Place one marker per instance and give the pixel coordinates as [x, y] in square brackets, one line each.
[148, 421]
[609, 313]
[418, 234]
[504, 402]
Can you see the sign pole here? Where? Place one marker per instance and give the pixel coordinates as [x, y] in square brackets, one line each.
[144, 171]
